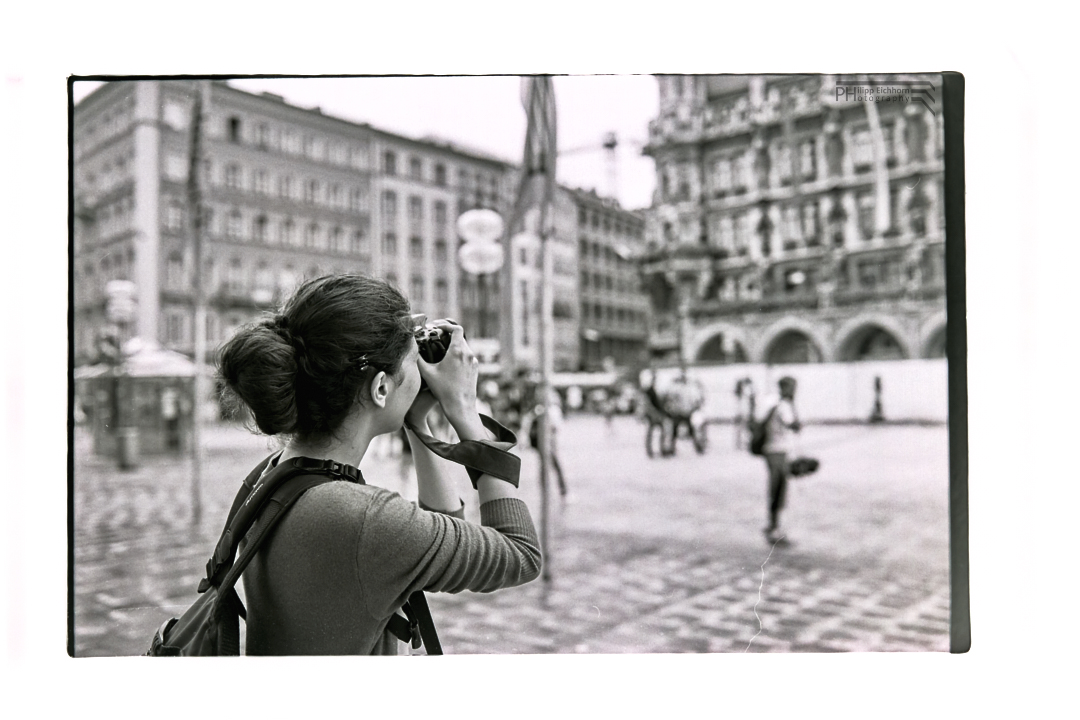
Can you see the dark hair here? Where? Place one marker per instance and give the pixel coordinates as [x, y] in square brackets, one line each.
[299, 370]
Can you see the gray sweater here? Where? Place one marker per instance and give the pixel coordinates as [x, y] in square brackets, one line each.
[347, 556]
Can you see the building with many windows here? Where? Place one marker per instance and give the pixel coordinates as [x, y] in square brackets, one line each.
[794, 223]
[289, 193]
[614, 308]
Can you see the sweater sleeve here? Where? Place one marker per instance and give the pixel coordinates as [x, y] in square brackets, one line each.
[403, 548]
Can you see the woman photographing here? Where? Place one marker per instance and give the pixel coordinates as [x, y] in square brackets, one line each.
[338, 366]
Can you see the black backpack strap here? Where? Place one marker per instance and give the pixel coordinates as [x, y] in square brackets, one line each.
[230, 608]
[490, 457]
[252, 498]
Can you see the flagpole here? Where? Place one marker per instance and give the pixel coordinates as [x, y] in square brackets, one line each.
[202, 103]
[547, 329]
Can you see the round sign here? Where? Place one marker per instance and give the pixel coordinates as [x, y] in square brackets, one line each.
[480, 226]
[120, 303]
[480, 258]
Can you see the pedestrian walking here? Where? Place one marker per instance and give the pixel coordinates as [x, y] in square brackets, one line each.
[744, 411]
[553, 408]
[780, 424]
[655, 415]
[170, 415]
[335, 368]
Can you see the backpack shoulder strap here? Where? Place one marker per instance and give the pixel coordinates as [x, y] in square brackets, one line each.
[228, 606]
[254, 496]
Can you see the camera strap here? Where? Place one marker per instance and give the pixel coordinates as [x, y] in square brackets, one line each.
[480, 457]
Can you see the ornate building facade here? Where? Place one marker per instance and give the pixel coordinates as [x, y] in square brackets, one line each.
[795, 223]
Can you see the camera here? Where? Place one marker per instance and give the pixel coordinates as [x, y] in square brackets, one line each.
[432, 342]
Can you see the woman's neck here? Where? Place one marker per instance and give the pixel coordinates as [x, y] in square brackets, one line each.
[347, 445]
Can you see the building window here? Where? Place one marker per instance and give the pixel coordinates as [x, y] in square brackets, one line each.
[440, 216]
[174, 216]
[440, 175]
[260, 229]
[783, 163]
[808, 160]
[311, 192]
[288, 232]
[312, 237]
[862, 150]
[264, 281]
[917, 208]
[389, 163]
[337, 197]
[285, 187]
[358, 156]
[360, 244]
[888, 132]
[234, 278]
[442, 293]
[262, 136]
[791, 227]
[915, 132]
[262, 182]
[234, 129]
[416, 168]
[291, 142]
[727, 232]
[337, 240]
[416, 209]
[234, 225]
[174, 329]
[441, 251]
[389, 244]
[389, 206]
[339, 154]
[810, 223]
[174, 271]
[724, 177]
[866, 214]
[232, 176]
[416, 288]
[416, 248]
[356, 200]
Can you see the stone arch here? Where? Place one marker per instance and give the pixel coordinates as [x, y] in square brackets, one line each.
[934, 337]
[868, 337]
[787, 331]
[720, 343]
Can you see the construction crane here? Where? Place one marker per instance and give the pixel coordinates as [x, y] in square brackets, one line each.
[609, 144]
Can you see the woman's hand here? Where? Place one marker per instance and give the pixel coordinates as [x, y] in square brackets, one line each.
[452, 380]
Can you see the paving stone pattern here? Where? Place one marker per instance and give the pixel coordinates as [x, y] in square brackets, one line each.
[651, 556]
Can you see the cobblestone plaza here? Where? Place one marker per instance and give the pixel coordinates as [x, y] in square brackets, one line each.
[650, 556]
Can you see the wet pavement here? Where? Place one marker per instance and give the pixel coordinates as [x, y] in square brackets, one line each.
[648, 556]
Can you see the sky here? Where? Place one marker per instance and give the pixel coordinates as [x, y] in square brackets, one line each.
[485, 112]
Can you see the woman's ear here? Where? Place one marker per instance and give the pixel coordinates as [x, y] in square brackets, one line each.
[380, 388]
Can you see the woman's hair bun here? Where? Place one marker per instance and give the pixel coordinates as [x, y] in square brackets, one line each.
[258, 366]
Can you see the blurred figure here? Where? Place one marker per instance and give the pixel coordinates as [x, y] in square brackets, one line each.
[683, 402]
[781, 423]
[654, 414]
[553, 408]
[170, 414]
[744, 412]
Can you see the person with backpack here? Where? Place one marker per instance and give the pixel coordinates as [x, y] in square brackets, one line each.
[338, 366]
[779, 426]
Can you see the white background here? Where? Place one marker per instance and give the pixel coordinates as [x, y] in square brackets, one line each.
[1022, 258]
